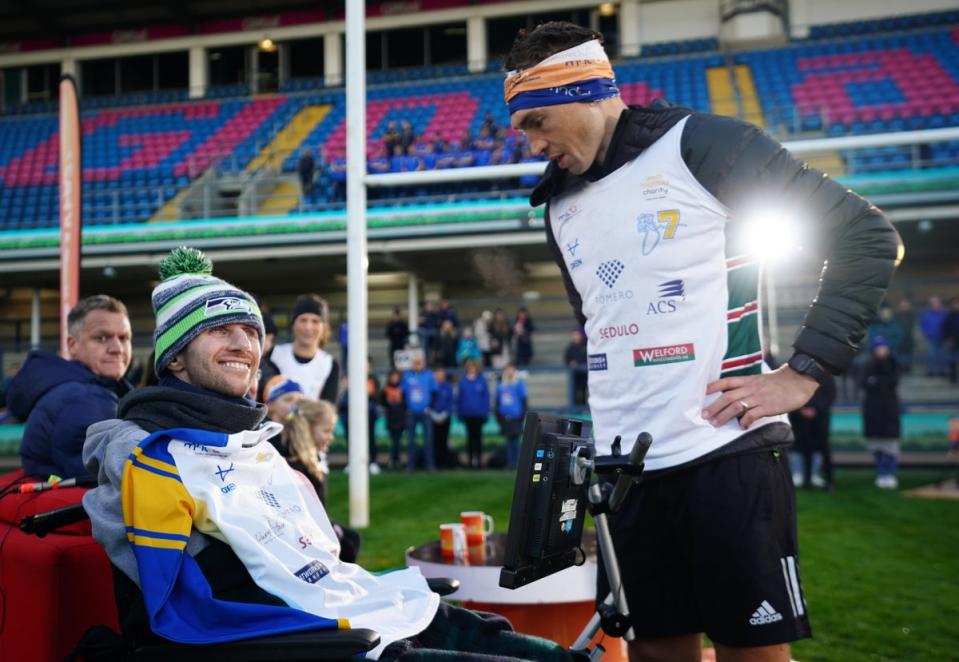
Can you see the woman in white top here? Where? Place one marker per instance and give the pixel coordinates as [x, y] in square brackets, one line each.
[304, 360]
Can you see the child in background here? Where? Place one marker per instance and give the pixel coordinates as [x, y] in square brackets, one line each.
[441, 410]
[309, 433]
[468, 348]
[394, 412]
[280, 394]
[880, 412]
[510, 410]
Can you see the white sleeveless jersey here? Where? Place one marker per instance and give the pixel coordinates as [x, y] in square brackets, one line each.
[247, 496]
[311, 376]
[670, 304]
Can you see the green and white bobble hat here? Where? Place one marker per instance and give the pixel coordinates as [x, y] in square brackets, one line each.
[190, 300]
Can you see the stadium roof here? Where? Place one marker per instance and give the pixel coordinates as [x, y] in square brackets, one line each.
[60, 19]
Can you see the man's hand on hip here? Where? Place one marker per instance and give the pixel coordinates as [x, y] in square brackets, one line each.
[755, 396]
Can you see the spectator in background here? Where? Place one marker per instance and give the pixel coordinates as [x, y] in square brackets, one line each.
[448, 312]
[394, 413]
[445, 156]
[407, 136]
[391, 138]
[5, 383]
[337, 170]
[446, 345]
[511, 404]
[441, 411]
[472, 405]
[810, 456]
[380, 165]
[523, 330]
[467, 349]
[418, 387]
[526, 156]
[880, 412]
[306, 169]
[305, 360]
[481, 329]
[59, 398]
[343, 335]
[501, 335]
[372, 413]
[906, 317]
[576, 360]
[950, 336]
[930, 322]
[485, 140]
[429, 328]
[397, 332]
[489, 124]
[438, 143]
[887, 327]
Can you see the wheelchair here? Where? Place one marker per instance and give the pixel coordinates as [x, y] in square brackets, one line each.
[53, 580]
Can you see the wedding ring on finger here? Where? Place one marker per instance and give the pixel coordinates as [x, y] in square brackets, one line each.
[745, 405]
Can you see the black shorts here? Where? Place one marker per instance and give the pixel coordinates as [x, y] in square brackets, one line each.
[713, 549]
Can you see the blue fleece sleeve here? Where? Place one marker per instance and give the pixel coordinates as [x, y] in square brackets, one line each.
[77, 407]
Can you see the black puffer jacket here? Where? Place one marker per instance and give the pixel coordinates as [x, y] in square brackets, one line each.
[734, 160]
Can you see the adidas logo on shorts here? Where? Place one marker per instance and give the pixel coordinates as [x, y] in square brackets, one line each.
[765, 614]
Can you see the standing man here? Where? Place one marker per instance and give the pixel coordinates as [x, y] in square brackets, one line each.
[306, 168]
[60, 398]
[644, 217]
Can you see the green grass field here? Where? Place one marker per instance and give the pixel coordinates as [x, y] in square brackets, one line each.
[880, 570]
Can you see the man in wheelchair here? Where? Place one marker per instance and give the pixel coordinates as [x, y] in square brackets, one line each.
[213, 536]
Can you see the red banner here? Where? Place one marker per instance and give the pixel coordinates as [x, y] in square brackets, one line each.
[70, 221]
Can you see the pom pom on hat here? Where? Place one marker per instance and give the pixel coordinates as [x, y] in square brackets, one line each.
[185, 260]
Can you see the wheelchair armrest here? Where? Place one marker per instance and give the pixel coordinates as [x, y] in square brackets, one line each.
[311, 645]
[43, 523]
[443, 585]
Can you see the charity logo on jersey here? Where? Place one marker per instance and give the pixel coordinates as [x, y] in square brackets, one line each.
[646, 356]
[654, 187]
[657, 228]
[220, 305]
[669, 295]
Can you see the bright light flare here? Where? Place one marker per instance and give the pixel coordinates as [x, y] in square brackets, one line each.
[773, 233]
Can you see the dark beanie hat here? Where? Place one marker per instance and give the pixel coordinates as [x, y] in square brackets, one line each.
[309, 303]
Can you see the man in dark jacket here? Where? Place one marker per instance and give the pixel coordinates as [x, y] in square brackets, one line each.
[60, 398]
[648, 217]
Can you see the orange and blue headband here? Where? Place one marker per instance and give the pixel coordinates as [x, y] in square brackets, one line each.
[578, 74]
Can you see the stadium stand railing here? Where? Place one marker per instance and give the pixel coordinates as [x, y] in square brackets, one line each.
[144, 153]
